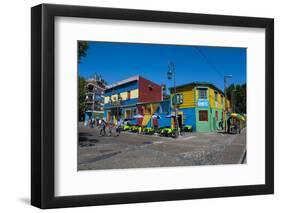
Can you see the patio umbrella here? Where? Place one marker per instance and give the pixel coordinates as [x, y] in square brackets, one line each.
[238, 116]
[156, 116]
[170, 116]
[138, 116]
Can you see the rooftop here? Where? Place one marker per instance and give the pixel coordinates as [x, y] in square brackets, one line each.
[133, 78]
[198, 83]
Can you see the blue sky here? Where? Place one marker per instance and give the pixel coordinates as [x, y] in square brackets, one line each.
[118, 61]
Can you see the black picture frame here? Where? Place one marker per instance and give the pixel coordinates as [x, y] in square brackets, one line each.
[43, 102]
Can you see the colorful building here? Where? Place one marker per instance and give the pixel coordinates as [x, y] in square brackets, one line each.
[203, 104]
[155, 114]
[202, 107]
[94, 100]
[122, 98]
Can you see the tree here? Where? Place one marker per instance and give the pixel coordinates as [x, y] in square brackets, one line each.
[237, 96]
[82, 49]
[82, 95]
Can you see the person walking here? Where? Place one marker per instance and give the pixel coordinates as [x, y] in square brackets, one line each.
[118, 128]
[110, 126]
[102, 128]
[221, 125]
[89, 122]
[228, 124]
[92, 123]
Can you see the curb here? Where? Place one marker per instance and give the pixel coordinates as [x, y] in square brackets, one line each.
[243, 156]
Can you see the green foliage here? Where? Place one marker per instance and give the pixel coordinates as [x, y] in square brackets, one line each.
[168, 132]
[187, 128]
[149, 130]
[135, 129]
[82, 49]
[127, 128]
[82, 95]
[237, 96]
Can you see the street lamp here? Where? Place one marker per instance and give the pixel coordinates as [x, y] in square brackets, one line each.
[172, 74]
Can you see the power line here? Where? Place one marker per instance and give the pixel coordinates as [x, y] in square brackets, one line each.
[208, 61]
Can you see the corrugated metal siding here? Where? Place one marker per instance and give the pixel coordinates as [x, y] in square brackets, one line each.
[212, 97]
[189, 117]
[121, 88]
[147, 95]
[188, 96]
[213, 104]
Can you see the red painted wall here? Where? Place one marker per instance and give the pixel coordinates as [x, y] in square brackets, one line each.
[149, 95]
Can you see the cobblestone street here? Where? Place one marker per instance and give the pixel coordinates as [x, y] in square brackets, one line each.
[131, 150]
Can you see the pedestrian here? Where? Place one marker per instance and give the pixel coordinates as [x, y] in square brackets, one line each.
[228, 125]
[92, 123]
[118, 128]
[110, 126]
[221, 124]
[237, 126]
[102, 128]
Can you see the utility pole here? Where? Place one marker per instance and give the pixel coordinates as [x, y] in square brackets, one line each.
[225, 99]
[233, 100]
[172, 73]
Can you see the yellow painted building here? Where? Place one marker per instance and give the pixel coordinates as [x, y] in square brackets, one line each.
[203, 106]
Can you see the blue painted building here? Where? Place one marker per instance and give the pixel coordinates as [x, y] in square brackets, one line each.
[121, 98]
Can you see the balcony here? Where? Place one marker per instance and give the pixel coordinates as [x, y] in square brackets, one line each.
[89, 101]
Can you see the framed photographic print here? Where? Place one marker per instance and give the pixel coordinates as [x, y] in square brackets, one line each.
[139, 106]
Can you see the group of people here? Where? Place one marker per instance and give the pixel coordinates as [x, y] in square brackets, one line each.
[92, 122]
[232, 125]
[103, 125]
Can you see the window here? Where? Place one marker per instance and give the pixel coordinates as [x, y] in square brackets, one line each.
[203, 115]
[129, 113]
[221, 100]
[202, 93]
[128, 94]
[216, 96]
[217, 116]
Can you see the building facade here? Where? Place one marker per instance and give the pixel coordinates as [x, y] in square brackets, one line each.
[94, 100]
[141, 101]
[155, 114]
[203, 106]
[122, 98]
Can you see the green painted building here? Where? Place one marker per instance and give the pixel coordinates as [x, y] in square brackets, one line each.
[203, 106]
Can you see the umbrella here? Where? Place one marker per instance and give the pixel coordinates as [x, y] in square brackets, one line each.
[170, 116]
[156, 116]
[138, 116]
[238, 116]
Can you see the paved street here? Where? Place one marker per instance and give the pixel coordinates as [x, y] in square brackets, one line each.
[131, 150]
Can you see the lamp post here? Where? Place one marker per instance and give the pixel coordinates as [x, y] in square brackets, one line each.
[172, 74]
[225, 98]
